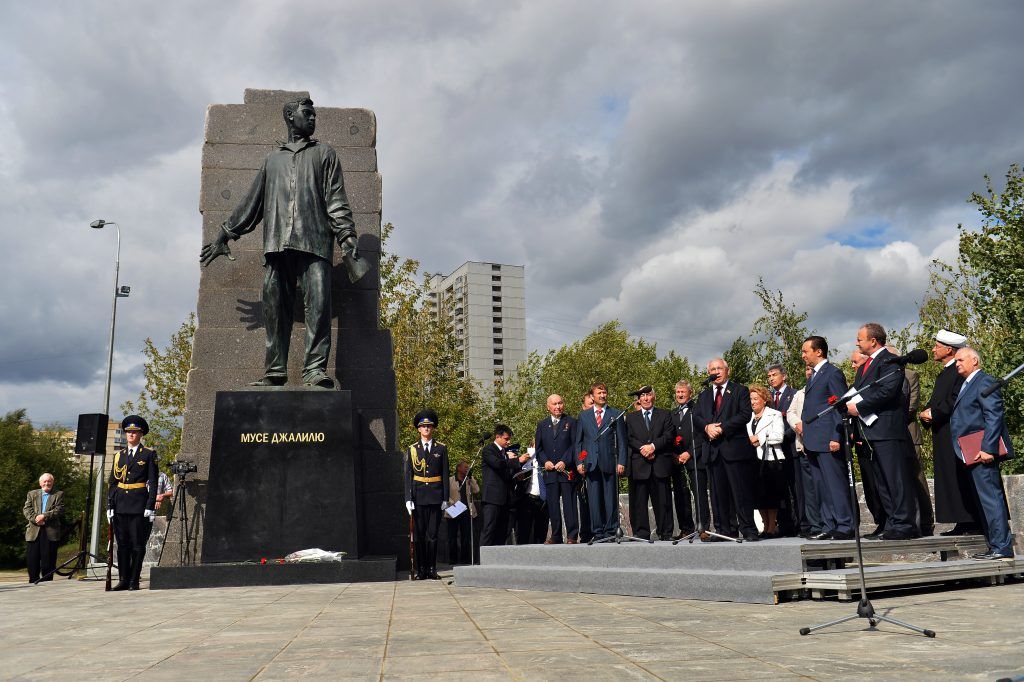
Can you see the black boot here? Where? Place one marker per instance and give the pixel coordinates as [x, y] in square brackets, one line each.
[421, 561]
[432, 560]
[124, 569]
[138, 556]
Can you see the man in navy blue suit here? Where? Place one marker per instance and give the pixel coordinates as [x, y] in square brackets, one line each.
[603, 438]
[886, 435]
[821, 441]
[554, 441]
[973, 412]
[723, 412]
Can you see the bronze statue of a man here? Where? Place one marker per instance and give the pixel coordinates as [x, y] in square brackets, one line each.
[299, 194]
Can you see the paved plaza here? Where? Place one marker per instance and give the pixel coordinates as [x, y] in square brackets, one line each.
[432, 630]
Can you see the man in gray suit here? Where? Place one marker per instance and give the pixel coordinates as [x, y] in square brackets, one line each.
[43, 509]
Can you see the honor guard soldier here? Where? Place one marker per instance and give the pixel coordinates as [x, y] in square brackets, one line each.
[426, 493]
[130, 501]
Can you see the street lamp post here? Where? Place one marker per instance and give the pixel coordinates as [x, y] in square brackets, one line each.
[119, 292]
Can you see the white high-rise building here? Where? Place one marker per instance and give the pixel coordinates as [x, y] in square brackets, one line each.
[486, 303]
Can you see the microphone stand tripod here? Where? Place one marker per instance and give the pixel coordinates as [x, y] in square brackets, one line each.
[864, 607]
[701, 531]
[620, 535]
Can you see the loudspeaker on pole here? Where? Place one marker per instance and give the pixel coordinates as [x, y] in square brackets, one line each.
[91, 436]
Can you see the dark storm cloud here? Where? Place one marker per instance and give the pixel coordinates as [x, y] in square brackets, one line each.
[629, 156]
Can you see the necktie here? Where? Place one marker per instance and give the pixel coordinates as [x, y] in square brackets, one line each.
[554, 422]
[864, 367]
[647, 419]
[426, 448]
[46, 498]
[776, 405]
[718, 399]
[597, 416]
[814, 373]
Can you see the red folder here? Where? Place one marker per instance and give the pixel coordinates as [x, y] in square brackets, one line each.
[970, 446]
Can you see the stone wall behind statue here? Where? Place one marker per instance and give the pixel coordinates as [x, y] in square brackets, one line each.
[228, 352]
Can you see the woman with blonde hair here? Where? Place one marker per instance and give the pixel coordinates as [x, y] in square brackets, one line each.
[766, 430]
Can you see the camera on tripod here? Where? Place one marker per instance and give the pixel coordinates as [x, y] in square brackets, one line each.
[183, 467]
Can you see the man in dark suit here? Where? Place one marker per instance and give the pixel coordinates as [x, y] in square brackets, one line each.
[886, 435]
[554, 452]
[582, 501]
[918, 479]
[723, 413]
[601, 456]
[690, 469]
[427, 487]
[790, 518]
[43, 509]
[651, 436]
[868, 477]
[973, 413]
[954, 486]
[131, 497]
[821, 441]
[498, 466]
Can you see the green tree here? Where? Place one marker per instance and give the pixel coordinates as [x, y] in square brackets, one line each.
[25, 454]
[162, 402]
[427, 359]
[745, 364]
[777, 336]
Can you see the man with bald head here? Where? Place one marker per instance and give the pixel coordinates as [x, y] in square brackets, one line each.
[554, 441]
[981, 440]
[722, 413]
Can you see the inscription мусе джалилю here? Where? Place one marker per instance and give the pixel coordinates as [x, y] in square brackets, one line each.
[274, 438]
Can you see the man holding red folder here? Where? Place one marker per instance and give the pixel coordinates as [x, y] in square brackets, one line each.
[981, 440]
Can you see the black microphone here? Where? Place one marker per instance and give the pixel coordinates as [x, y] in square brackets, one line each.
[914, 357]
[708, 379]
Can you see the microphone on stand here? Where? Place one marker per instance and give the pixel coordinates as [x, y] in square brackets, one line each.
[711, 377]
[914, 357]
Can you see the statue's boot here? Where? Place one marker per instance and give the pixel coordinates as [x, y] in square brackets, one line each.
[319, 379]
[270, 380]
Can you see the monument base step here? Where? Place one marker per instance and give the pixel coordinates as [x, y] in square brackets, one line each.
[369, 569]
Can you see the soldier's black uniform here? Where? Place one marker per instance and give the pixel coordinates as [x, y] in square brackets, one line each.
[129, 499]
[426, 486]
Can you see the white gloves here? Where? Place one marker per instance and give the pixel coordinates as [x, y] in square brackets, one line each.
[410, 505]
[149, 514]
[444, 505]
[110, 515]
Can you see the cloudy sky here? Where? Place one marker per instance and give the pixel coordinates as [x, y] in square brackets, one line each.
[645, 161]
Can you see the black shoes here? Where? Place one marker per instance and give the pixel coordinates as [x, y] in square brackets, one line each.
[750, 537]
[876, 534]
[134, 586]
[824, 535]
[836, 535]
[896, 535]
[991, 556]
[961, 529]
[118, 587]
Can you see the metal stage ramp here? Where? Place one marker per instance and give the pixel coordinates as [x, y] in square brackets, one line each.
[765, 572]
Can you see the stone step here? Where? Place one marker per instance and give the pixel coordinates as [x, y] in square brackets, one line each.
[753, 587]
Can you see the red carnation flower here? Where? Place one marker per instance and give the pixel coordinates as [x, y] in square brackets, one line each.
[679, 440]
[263, 561]
[832, 400]
[583, 455]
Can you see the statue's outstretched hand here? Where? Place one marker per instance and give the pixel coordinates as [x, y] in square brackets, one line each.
[218, 247]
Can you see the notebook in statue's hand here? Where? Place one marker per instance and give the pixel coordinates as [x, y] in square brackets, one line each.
[970, 446]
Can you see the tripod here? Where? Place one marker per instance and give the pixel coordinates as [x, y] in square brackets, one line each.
[79, 560]
[864, 607]
[701, 531]
[185, 533]
[620, 536]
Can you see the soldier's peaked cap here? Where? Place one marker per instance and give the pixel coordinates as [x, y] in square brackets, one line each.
[425, 418]
[134, 422]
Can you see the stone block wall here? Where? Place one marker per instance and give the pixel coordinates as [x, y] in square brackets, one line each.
[228, 351]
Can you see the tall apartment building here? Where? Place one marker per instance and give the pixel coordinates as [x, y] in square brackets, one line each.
[486, 303]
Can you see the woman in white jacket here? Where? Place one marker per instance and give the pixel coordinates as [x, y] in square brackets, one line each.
[766, 430]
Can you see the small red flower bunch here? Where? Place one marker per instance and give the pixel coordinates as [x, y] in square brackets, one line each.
[583, 455]
[832, 400]
[679, 440]
[263, 561]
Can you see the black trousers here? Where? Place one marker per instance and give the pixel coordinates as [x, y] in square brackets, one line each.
[790, 511]
[919, 484]
[531, 520]
[41, 556]
[869, 484]
[584, 510]
[131, 538]
[283, 274]
[892, 481]
[459, 539]
[656, 492]
[562, 500]
[734, 490]
[495, 529]
[808, 500]
[426, 522]
[686, 483]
